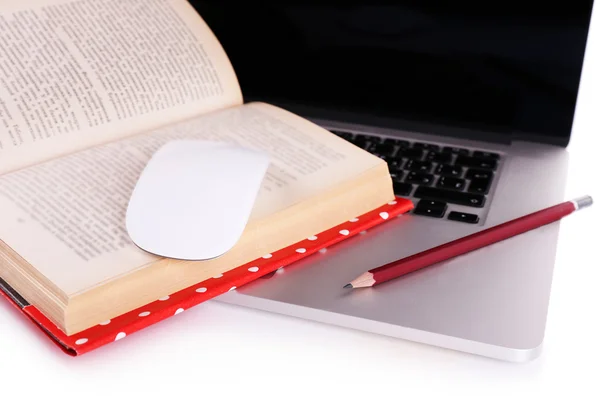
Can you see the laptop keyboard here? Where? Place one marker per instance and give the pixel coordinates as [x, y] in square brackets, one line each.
[438, 177]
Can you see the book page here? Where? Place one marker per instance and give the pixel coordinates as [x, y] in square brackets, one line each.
[74, 74]
[66, 217]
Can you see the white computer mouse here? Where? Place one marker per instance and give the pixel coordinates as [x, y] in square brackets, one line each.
[194, 198]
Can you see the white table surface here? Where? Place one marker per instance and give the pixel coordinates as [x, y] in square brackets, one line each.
[227, 351]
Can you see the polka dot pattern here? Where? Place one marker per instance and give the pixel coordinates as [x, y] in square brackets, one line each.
[175, 303]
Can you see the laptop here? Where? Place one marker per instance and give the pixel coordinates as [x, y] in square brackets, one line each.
[472, 106]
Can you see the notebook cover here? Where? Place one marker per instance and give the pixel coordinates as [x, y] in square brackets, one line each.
[169, 306]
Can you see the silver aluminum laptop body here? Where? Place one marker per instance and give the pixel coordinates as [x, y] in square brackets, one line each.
[492, 302]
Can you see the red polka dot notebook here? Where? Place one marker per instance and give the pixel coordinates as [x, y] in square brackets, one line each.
[126, 324]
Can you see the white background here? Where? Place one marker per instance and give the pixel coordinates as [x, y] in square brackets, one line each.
[226, 351]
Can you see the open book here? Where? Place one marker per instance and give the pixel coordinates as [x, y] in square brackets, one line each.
[89, 90]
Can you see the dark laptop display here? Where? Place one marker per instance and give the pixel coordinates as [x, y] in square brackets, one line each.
[501, 67]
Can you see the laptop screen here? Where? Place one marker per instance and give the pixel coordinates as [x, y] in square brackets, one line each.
[505, 67]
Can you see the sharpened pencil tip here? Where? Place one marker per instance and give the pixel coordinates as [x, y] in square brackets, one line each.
[348, 286]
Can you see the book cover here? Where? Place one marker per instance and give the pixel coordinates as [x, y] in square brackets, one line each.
[169, 306]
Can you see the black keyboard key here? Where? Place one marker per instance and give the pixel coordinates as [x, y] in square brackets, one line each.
[415, 154]
[386, 149]
[438, 157]
[395, 164]
[402, 147]
[419, 178]
[479, 174]
[450, 196]
[432, 203]
[402, 189]
[397, 142]
[486, 154]
[426, 146]
[382, 156]
[448, 182]
[420, 166]
[456, 150]
[449, 170]
[361, 141]
[430, 208]
[473, 162]
[397, 176]
[480, 185]
[375, 140]
[463, 217]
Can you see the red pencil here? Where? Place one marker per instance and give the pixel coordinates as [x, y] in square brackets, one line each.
[469, 243]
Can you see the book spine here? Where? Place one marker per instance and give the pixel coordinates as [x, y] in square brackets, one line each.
[12, 294]
[24, 307]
